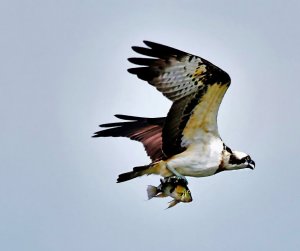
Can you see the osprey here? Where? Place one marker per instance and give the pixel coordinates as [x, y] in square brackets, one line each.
[187, 141]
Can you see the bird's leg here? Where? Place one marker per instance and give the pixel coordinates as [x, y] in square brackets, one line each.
[177, 174]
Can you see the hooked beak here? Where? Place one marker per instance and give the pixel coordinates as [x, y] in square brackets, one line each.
[251, 164]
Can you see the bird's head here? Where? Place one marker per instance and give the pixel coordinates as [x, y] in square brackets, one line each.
[239, 160]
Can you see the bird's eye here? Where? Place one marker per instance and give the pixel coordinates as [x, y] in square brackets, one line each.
[247, 158]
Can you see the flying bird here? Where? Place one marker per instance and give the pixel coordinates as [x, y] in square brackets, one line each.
[186, 142]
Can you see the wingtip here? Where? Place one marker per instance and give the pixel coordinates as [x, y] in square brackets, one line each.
[150, 43]
[147, 42]
[130, 60]
[132, 71]
[96, 135]
[136, 48]
[126, 117]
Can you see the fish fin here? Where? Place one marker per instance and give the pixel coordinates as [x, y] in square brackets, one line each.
[152, 191]
[161, 195]
[172, 203]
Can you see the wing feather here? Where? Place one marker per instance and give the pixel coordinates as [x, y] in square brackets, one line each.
[148, 131]
[195, 86]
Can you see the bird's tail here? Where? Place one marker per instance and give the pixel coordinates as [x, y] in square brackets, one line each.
[136, 172]
[153, 168]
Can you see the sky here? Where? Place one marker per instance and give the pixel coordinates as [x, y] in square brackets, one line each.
[63, 71]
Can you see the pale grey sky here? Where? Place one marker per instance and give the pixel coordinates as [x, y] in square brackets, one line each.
[63, 72]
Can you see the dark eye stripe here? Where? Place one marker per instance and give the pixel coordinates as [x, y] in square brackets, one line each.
[236, 161]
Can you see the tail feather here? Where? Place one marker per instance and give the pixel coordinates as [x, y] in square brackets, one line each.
[136, 172]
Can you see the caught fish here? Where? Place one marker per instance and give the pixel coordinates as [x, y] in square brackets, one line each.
[173, 187]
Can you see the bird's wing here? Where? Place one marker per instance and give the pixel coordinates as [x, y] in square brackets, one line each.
[195, 86]
[148, 131]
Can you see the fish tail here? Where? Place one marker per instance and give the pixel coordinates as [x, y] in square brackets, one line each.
[136, 172]
[152, 191]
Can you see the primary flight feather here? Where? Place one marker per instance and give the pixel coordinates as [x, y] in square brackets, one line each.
[187, 141]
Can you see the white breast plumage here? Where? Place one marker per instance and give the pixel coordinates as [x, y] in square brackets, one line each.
[199, 159]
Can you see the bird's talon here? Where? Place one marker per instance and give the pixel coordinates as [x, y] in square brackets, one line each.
[178, 176]
[181, 179]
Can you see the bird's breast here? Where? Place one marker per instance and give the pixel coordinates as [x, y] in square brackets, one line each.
[199, 159]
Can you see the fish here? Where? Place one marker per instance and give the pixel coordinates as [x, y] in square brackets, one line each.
[173, 187]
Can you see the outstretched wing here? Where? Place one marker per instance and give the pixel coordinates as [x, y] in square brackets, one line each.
[195, 86]
[145, 130]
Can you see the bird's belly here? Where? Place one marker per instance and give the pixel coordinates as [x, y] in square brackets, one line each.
[196, 165]
[197, 171]
[195, 168]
